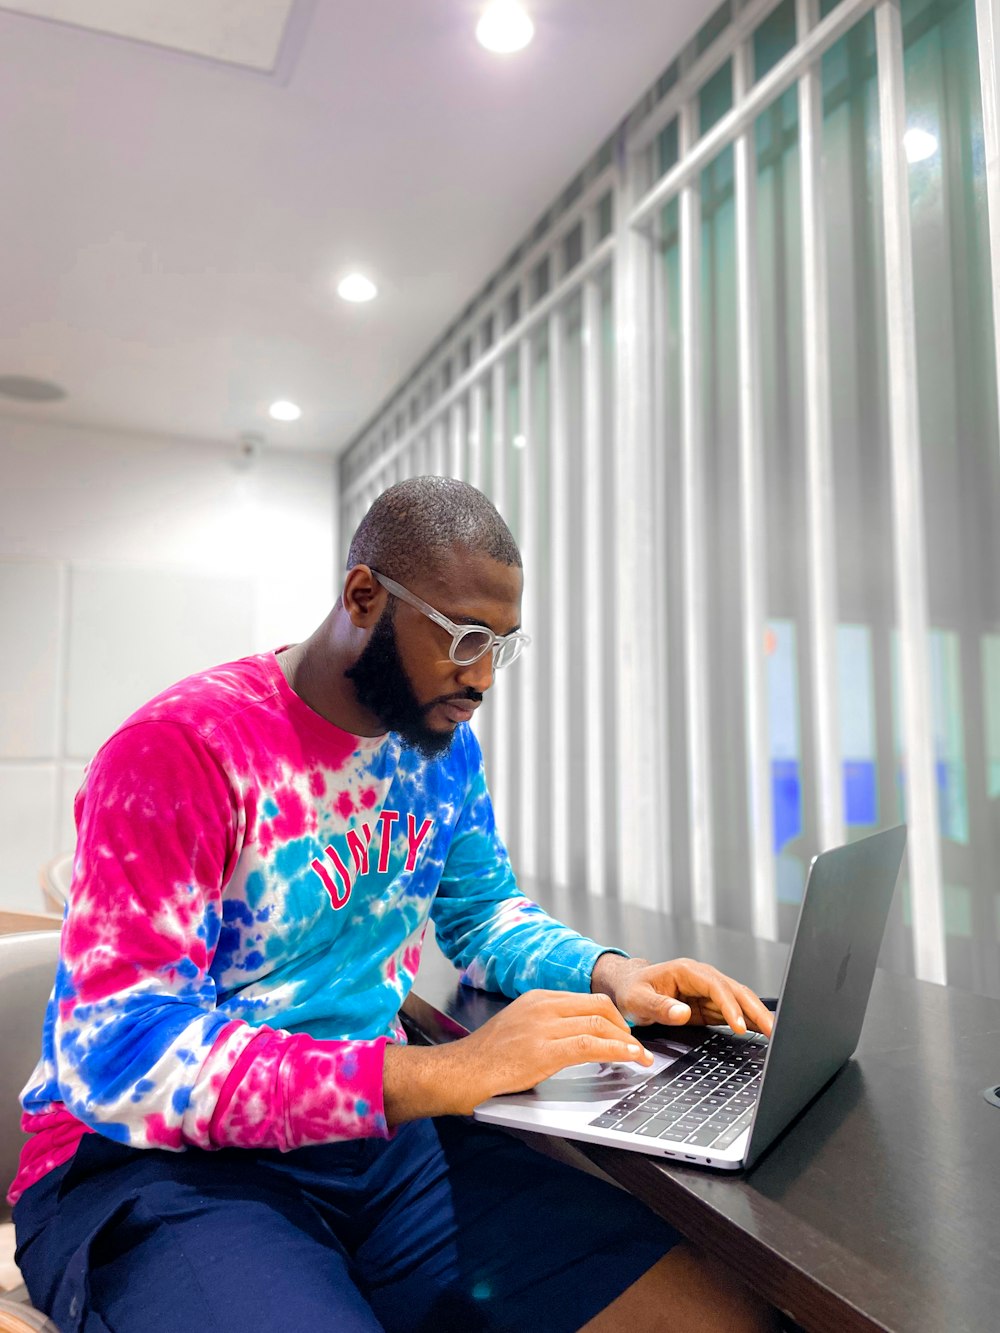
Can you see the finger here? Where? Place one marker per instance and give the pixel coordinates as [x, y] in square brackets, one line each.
[662, 993]
[593, 1025]
[759, 1017]
[578, 1004]
[583, 1049]
[652, 997]
[754, 1013]
[707, 983]
[708, 1012]
[675, 1012]
[653, 1007]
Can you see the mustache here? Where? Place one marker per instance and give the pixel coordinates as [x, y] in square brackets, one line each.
[468, 696]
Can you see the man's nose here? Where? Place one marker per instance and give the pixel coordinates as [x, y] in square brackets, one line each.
[478, 675]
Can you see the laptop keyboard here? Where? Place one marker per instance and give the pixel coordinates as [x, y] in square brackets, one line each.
[705, 1098]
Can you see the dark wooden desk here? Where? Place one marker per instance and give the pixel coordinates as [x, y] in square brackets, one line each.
[878, 1208]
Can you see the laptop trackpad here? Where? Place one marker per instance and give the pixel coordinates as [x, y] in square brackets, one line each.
[594, 1082]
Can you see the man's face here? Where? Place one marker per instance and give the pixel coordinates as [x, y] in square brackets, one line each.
[405, 676]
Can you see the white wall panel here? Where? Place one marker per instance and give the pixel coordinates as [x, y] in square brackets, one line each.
[27, 821]
[134, 632]
[186, 556]
[29, 664]
[78, 496]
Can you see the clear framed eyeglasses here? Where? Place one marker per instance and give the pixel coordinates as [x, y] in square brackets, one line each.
[468, 642]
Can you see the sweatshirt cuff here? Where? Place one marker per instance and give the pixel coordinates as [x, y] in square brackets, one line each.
[288, 1091]
[570, 965]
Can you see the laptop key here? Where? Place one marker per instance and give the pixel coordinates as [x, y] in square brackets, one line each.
[686, 1100]
[633, 1120]
[661, 1097]
[726, 1116]
[685, 1126]
[731, 1134]
[704, 1137]
[655, 1129]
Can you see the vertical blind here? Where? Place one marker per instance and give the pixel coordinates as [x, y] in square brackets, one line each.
[736, 396]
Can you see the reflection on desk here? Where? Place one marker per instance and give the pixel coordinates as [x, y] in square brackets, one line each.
[876, 1208]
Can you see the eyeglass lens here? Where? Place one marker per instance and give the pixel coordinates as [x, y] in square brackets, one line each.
[471, 645]
[507, 652]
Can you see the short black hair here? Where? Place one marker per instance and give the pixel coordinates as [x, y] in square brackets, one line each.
[415, 520]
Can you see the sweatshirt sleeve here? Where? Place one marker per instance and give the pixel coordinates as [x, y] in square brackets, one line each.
[142, 1052]
[486, 925]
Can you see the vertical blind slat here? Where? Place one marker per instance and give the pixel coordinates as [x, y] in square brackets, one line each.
[822, 571]
[924, 847]
[558, 627]
[695, 593]
[753, 532]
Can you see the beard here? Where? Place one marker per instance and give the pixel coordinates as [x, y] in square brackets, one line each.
[382, 686]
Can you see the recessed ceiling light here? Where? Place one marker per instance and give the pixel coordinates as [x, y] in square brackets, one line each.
[356, 287]
[505, 27]
[26, 389]
[283, 410]
[919, 144]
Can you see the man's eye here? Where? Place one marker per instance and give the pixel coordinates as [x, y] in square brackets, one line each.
[473, 644]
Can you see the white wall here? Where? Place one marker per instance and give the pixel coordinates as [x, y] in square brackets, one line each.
[125, 563]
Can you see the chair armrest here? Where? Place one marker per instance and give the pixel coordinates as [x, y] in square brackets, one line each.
[16, 1317]
[20, 923]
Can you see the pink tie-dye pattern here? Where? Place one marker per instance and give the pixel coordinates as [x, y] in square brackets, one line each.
[328, 1083]
[212, 991]
[135, 931]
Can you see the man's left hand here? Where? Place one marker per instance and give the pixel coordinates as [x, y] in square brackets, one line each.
[679, 992]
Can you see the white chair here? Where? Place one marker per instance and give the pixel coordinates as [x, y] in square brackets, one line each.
[27, 971]
[55, 877]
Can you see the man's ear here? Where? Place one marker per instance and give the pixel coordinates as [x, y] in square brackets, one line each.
[364, 597]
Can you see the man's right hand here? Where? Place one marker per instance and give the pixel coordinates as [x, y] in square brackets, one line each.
[534, 1037]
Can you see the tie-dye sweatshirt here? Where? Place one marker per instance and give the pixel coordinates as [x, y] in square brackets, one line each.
[251, 888]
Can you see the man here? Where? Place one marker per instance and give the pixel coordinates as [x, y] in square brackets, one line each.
[228, 1129]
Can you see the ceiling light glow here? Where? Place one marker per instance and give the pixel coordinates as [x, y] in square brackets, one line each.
[283, 410]
[505, 27]
[356, 287]
[919, 144]
[520, 441]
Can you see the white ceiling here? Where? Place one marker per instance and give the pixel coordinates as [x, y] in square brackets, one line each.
[244, 32]
[172, 227]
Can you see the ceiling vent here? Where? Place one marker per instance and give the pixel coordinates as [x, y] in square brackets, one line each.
[25, 389]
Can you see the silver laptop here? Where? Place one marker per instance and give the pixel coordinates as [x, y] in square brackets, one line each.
[718, 1099]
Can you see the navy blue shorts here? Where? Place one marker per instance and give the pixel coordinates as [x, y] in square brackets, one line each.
[450, 1225]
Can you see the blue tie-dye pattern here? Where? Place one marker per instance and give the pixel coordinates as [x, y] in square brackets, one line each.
[292, 860]
[282, 954]
[254, 890]
[331, 964]
[152, 1026]
[212, 926]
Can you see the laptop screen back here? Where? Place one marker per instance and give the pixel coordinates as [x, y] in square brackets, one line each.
[828, 978]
